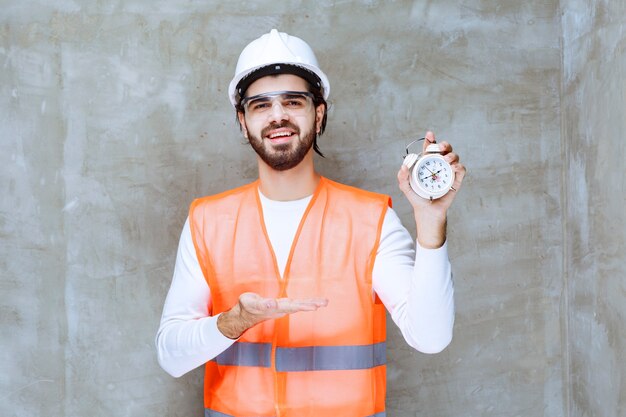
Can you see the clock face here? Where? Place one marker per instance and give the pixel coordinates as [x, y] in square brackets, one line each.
[434, 175]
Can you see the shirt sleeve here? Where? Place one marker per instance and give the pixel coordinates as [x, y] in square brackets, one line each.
[188, 337]
[415, 285]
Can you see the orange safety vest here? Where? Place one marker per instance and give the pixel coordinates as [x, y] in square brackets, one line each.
[330, 362]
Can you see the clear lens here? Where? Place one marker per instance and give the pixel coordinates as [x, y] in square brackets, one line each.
[295, 103]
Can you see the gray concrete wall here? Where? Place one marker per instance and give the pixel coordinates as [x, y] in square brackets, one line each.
[594, 111]
[114, 117]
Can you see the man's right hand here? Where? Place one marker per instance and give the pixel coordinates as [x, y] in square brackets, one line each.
[253, 309]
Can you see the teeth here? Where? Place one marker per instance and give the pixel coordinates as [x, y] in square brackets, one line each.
[275, 135]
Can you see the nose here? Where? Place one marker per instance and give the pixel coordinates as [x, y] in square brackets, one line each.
[278, 113]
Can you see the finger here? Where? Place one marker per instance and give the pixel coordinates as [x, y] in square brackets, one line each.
[403, 179]
[302, 306]
[250, 299]
[316, 302]
[403, 174]
[429, 139]
[444, 147]
[287, 305]
[320, 302]
[451, 158]
[459, 175]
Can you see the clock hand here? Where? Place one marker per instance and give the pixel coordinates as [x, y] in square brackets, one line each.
[433, 174]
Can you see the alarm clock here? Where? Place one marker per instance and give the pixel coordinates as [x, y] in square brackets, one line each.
[431, 176]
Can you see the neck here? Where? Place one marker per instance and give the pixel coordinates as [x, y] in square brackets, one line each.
[292, 184]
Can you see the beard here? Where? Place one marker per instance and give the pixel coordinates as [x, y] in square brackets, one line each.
[283, 156]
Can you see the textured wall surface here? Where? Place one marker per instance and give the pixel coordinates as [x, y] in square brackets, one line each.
[594, 110]
[114, 117]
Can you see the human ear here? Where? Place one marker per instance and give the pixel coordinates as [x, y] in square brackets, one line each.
[319, 116]
[242, 122]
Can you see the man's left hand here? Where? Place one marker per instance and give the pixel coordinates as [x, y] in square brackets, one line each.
[430, 216]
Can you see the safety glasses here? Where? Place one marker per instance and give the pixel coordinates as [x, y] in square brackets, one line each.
[294, 103]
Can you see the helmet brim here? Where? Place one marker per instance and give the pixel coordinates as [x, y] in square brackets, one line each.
[310, 73]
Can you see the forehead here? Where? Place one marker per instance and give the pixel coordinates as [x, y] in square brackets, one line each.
[281, 82]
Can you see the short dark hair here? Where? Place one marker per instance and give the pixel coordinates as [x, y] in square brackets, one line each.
[314, 86]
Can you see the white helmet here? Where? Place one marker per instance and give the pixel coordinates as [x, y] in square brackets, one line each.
[270, 51]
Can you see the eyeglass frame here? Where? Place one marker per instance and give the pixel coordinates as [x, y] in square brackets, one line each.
[246, 100]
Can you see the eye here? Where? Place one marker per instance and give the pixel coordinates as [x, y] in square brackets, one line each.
[259, 105]
[294, 102]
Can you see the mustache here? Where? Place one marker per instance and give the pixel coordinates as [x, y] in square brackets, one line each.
[273, 126]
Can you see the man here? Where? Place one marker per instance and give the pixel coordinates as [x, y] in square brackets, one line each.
[280, 286]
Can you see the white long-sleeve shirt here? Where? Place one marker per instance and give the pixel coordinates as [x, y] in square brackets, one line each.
[414, 284]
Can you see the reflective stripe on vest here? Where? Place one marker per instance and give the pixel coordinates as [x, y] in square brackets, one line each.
[330, 358]
[213, 413]
[246, 354]
[312, 358]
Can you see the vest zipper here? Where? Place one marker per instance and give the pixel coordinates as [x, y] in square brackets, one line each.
[282, 280]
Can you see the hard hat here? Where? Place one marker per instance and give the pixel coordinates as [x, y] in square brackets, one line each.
[271, 51]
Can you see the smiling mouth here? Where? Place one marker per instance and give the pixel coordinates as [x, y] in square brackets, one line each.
[280, 134]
